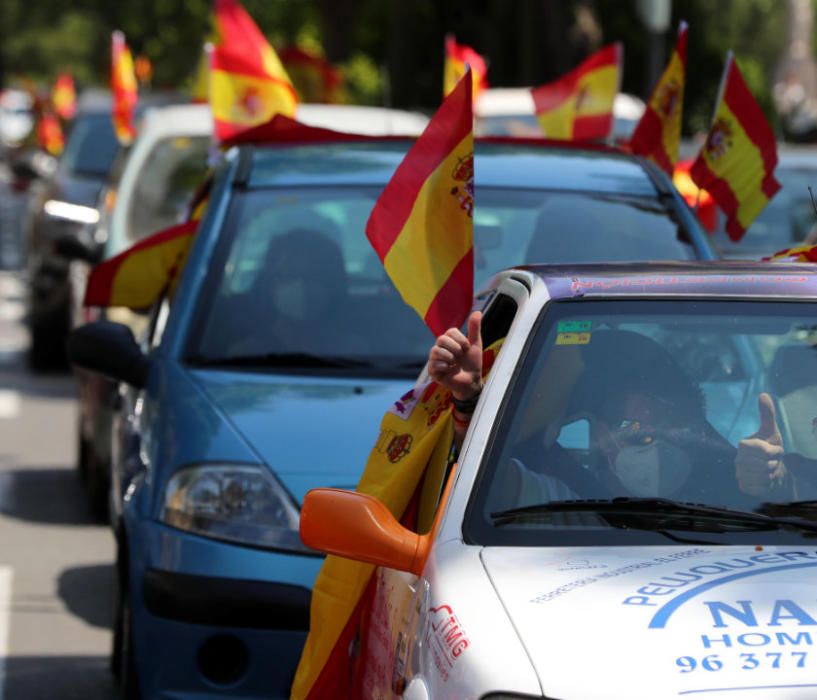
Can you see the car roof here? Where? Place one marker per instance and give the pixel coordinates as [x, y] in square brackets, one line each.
[711, 279]
[360, 119]
[499, 163]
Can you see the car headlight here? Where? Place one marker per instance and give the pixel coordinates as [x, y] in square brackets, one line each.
[235, 502]
[71, 212]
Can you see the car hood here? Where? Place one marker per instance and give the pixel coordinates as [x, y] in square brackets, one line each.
[311, 430]
[656, 622]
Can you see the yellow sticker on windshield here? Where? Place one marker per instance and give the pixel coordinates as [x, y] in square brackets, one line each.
[572, 338]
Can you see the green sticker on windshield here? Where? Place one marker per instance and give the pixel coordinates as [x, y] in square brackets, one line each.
[574, 326]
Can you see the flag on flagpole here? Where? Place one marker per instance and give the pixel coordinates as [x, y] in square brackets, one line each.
[699, 200]
[736, 164]
[123, 87]
[457, 57]
[579, 105]
[657, 135]
[49, 133]
[248, 83]
[64, 97]
[422, 224]
[315, 79]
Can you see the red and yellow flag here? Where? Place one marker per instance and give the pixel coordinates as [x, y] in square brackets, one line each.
[139, 275]
[49, 133]
[700, 200]
[579, 105]
[64, 97]
[658, 133]
[802, 253]
[315, 79]
[397, 477]
[457, 57]
[422, 224]
[736, 164]
[123, 88]
[248, 83]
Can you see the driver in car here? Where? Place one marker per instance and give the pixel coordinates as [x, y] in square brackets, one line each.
[649, 433]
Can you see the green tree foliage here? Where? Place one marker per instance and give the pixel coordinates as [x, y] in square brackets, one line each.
[392, 50]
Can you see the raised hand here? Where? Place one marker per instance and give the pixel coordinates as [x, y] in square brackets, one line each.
[759, 462]
[455, 361]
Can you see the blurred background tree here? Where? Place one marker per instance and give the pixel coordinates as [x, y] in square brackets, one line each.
[391, 51]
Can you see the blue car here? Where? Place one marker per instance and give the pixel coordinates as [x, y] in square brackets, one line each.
[269, 372]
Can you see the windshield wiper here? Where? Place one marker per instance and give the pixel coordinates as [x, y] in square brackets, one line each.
[802, 509]
[658, 513]
[280, 359]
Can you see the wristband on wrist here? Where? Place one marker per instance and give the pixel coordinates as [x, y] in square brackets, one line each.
[466, 406]
[463, 420]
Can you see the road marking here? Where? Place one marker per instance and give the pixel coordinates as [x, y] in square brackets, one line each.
[9, 403]
[5, 617]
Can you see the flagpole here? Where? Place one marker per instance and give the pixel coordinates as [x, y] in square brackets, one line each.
[620, 62]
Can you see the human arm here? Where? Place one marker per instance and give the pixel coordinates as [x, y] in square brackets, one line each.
[455, 362]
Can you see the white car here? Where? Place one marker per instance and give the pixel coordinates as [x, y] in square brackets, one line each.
[510, 112]
[601, 536]
[16, 120]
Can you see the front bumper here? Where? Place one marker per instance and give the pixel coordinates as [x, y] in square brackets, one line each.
[212, 619]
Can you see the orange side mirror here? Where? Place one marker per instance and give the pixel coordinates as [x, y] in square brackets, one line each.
[358, 526]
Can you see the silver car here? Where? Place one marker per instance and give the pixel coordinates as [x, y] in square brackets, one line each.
[607, 529]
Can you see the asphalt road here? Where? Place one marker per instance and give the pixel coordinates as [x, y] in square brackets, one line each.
[56, 565]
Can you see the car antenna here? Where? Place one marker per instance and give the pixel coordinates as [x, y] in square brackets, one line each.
[813, 202]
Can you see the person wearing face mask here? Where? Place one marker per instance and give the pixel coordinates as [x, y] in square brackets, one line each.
[301, 290]
[649, 436]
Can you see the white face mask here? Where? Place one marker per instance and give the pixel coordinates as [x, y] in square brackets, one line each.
[290, 299]
[657, 469]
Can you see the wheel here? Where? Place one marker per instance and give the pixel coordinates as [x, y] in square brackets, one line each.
[123, 654]
[98, 486]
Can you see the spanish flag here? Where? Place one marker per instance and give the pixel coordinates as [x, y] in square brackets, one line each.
[736, 164]
[405, 471]
[579, 105]
[248, 83]
[802, 253]
[123, 87]
[49, 134]
[315, 79]
[64, 97]
[658, 133]
[422, 224]
[457, 57]
[700, 200]
[137, 277]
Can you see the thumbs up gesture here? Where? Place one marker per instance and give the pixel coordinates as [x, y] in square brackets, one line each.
[759, 462]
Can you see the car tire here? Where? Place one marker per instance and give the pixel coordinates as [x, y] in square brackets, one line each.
[98, 488]
[123, 654]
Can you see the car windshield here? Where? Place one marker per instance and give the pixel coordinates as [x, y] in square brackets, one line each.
[91, 146]
[299, 276]
[168, 177]
[785, 221]
[619, 403]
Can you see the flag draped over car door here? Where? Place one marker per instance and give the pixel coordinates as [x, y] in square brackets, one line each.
[736, 164]
[248, 83]
[422, 224]
[657, 135]
[406, 466]
[579, 105]
[123, 89]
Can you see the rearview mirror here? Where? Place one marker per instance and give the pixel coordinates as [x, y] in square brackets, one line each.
[370, 533]
[71, 247]
[110, 349]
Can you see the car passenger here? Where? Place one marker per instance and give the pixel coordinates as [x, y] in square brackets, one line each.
[649, 436]
[299, 289]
